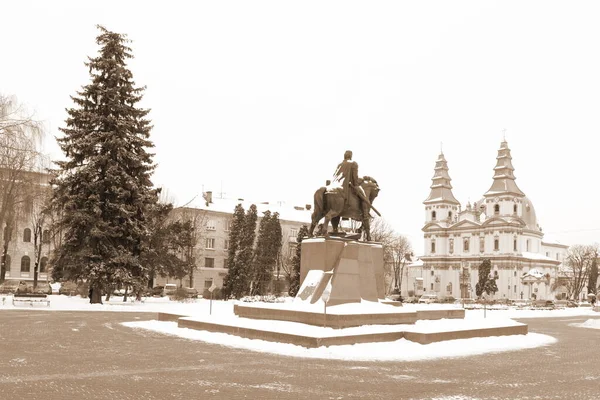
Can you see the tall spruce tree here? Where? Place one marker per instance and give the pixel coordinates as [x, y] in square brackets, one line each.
[593, 276]
[239, 260]
[267, 249]
[295, 274]
[104, 187]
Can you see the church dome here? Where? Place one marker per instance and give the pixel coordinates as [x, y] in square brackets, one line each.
[528, 214]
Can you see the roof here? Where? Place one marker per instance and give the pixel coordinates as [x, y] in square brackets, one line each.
[286, 211]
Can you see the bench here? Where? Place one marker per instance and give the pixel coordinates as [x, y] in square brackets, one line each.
[31, 298]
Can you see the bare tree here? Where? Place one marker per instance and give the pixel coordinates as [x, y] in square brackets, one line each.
[578, 263]
[20, 137]
[397, 250]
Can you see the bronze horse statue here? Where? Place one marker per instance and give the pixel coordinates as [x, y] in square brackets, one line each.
[329, 204]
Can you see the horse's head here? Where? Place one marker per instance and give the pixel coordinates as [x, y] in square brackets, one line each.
[370, 187]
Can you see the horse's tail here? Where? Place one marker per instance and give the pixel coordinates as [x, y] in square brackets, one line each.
[319, 200]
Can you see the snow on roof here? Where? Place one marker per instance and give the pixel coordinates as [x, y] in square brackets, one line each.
[417, 263]
[536, 256]
[286, 211]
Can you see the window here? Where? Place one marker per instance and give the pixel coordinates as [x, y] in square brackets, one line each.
[209, 262]
[432, 245]
[226, 246]
[496, 244]
[449, 214]
[547, 254]
[27, 235]
[208, 283]
[432, 272]
[294, 232]
[515, 288]
[515, 208]
[211, 225]
[449, 288]
[46, 236]
[210, 243]
[25, 264]
[225, 263]
[509, 288]
[557, 257]
[527, 244]
[451, 245]
[7, 234]
[7, 263]
[515, 274]
[481, 244]
[43, 264]
[515, 244]
[432, 287]
[496, 209]
[433, 215]
[495, 274]
[466, 245]
[228, 225]
[28, 205]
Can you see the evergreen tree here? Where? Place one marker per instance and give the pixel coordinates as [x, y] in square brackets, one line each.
[242, 235]
[235, 232]
[593, 276]
[486, 282]
[267, 249]
[295, 275]
[103, 190]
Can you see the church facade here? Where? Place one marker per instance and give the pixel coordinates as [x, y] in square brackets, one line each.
[502, 226]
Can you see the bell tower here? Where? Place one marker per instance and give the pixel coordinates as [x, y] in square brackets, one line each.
[441, 205]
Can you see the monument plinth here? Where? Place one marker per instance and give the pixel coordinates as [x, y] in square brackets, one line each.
[348, 270]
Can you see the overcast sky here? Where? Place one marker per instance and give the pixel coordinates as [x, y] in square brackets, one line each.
[259, 99]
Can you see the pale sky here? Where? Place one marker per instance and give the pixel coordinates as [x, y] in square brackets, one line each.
[260, 99]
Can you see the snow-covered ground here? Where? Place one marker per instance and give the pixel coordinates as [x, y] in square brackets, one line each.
[590, 323]
[399, 350]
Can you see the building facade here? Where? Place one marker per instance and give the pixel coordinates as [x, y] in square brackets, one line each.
[24, 226]
[212, 219]
[502, 226]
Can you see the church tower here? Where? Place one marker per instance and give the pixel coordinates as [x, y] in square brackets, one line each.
[441, 205]
[504, 198]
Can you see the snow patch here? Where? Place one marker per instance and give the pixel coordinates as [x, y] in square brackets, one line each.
[400, 350]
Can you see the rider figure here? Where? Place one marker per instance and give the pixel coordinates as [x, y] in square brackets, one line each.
[347, 173]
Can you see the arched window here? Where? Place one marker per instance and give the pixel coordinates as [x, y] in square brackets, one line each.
[497, 209]
[515, 208]
[46, 236]
[6, 234]
[451, 245]
[25, 264]
[43, 264]
[7, 263]
[466, 244]
[527, 244]
[449, 214]
[432, 246]
[515, 244]
[27, 235]
[496, 244]
[433, 215]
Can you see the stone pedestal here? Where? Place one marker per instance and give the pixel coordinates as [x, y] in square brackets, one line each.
[350, 271]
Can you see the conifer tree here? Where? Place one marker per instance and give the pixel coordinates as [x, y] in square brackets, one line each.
[295, 275]
[486, 282]
[239, 261]
[103, 188]
[593, 275]
[267, 249]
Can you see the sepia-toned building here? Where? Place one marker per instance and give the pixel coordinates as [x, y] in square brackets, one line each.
[19, 235]
[212, 219]
[502, 226]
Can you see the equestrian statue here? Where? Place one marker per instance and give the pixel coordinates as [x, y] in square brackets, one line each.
[346, 196]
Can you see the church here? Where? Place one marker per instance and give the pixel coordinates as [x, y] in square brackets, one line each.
[502, 226]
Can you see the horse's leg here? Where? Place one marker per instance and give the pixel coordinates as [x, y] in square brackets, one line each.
[335, 223]
[328, 217]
